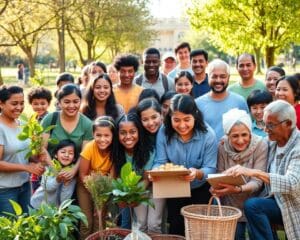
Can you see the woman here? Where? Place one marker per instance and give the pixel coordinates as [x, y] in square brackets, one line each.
[99, 99]
[272, 76]
[186, 140]
[70, 124]
[281, 203]
[14, 167]
[240, 146]
[184, 82]
[287, 89]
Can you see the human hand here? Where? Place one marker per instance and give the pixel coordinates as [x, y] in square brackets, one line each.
[192, 175]
[35, 168]
[225, 189]
[238, 170]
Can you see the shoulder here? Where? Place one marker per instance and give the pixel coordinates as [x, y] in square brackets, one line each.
[84, 119]
[259, 83]
[203, 98]
[139, 79]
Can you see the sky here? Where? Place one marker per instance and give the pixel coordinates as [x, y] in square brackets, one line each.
[166, 8]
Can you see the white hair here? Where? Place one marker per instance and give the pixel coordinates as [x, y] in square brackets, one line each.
[282, 110]
[218, 63]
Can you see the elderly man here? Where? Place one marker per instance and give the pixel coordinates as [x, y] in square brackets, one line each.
[282, 180]
[218, 100]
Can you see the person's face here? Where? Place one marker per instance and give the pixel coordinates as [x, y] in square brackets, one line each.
[66, 155]
[246, 67]
[183, 55]
[126, 75]
[70, 105]
[165, 107]
[151, 64]
[285, 92]
[95, 71]
[218, 80]
[183, 85]
[40, 106]
[151, 120]
[239, 137]
[103, 137]
[128, 135]
[257, 111]
[271, 79]
[277, 130]
[183, 124]
[13, 107]
[199, 64]
[168, 65]
[102, 90]
[113, 74]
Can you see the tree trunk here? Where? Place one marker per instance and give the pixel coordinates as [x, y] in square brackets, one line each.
[89, 52]
[1, 78]
[30, 62]
[258, 60]
[61, 40]
[270, 56]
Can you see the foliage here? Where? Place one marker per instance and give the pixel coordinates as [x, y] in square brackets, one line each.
[129, 189]
[48, 222]
[100, 188]
[241, 25]
[34, 131]
[38, 79]
[55, 168]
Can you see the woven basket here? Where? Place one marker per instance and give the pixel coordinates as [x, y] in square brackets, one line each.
[210, 222]
[105, 234]
[166, 237]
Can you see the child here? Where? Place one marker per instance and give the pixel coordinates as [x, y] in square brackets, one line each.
[40, 98]
[257, 101]
[95, 157]
[135, 147]
[165, 102]
[54, 190]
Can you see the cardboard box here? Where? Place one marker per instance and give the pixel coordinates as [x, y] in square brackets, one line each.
[170, 184]
[215, 179]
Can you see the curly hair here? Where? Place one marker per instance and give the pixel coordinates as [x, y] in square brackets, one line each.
[126, 61]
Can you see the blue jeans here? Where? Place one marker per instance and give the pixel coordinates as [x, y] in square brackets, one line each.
[125, 218]
[21, 195]
[261, 213]
[240, 233]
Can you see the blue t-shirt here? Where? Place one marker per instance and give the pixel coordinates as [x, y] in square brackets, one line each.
[201, 89]
[213, 110]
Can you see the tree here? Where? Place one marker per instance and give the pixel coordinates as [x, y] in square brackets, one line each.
[237, 26]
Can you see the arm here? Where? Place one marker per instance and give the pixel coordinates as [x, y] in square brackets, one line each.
[161, 149]
[84, 168]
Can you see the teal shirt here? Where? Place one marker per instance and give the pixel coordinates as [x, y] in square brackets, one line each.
[148, 165]
[245, 91]
[82, 132]
[256, 130]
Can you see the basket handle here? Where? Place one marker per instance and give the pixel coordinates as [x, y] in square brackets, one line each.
[219, 205]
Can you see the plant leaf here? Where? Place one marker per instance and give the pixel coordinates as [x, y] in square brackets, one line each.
[17, 208]
[63, 230]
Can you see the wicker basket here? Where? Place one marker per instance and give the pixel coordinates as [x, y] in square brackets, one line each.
[105, 234]
[166, 237]
[210, 222]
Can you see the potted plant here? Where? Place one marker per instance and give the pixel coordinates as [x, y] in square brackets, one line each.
[48, 222]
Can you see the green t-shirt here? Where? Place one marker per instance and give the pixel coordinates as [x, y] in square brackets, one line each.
[245, 91]
[83, 132]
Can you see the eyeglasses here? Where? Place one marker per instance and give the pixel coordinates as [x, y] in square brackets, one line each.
[271, 126]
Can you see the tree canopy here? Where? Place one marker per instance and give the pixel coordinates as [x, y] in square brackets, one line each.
[236, 26]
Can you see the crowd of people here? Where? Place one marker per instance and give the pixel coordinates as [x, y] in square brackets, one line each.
[188, 114]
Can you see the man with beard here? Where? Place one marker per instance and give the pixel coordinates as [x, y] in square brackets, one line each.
[152, 78]
[218, 100]
[199, 61]
[245, 65]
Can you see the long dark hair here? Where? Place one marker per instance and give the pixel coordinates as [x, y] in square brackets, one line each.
[89, 101]
[142, 150]
[185, 104]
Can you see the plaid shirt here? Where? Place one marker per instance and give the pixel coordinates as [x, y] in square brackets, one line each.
[285, 183]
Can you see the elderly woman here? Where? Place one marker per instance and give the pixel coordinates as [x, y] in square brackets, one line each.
[240, 147]
[282, 204]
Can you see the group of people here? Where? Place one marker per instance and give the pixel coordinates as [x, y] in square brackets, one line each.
[190, 117]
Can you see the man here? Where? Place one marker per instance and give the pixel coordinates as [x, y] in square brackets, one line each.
[246, 66]
[152, 78]
[126, 92]
[199, 61]
[281, 203]
[218, 100]
[168, 63]
[182, 52]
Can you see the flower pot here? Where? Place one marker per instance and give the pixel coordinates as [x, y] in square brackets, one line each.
[109, 233]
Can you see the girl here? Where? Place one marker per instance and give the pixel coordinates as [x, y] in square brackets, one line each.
[165, 102]
[287, 89]
[70, 124]
[100, 100]
[96, 157]
[14, 167]
[135, 147]
[240, 147]
[272, 76]
[184, 82]
[53, 189]
[186, 140]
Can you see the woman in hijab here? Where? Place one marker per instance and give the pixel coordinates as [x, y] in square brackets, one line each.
[240, 147]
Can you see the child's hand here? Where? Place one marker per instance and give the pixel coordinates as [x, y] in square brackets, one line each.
[67, 175]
